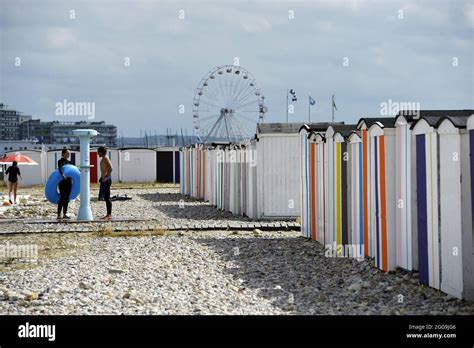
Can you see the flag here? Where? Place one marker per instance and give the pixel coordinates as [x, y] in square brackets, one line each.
[333, 103]
[293, 95]
[311, 100]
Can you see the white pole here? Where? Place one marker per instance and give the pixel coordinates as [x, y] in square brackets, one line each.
[85, 135]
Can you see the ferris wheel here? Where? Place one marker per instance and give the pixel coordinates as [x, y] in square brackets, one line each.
[227, 104]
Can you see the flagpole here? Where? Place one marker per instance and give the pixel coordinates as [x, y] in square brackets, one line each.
[332, 105]
[309, 108]
[287, 106]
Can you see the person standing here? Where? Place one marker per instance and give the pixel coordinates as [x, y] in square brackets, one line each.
[105, 180]
[13, 174]
[65, 185]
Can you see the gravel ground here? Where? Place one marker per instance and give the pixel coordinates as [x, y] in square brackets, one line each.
[185, 272]
[159, 206]
[219, 272]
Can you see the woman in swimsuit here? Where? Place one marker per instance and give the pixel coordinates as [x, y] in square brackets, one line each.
[65, 185]
[13, 174]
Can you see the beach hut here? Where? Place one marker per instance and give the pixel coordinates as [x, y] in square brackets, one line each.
[220, 153]
[342, 189]
[356, 231]
[167, 164]
[405, 187]
[442, 197]
[208, 174]
[382, 190]
[368, 188]
[320, 189]
[456, 237]
[200, 171]
[307, 230]
[184, 168]
[32, 174]
[251, 161]
[278, 174]
[137, 165]
[362, 126]
[336, 171]
[311, 180]
[427, 200]
[235, 177]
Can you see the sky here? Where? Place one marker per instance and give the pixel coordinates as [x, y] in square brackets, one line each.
[139, 62]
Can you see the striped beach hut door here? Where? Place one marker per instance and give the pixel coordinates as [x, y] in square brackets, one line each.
[313, 176]
[357, 216]
[365, 190]
[427, 203]
[340, 189]
[327, 231]
[305, 192]
[317, 141]
[379, 213]
[403, 194]
[331, 233]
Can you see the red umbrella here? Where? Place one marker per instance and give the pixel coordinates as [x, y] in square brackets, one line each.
[20, 159]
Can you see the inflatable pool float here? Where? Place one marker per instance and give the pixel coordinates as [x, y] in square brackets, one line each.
[51, 189]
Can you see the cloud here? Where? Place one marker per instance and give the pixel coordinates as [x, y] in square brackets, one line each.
[83, 59]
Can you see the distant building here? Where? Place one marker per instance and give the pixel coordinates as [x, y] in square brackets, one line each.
[62, 132]
[37, 130]
[16, 127]
[9, 123]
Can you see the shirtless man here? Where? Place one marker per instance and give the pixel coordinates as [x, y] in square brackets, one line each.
[105, 180]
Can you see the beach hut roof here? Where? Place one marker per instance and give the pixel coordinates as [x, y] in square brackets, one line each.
[384, 122]
[344, 129]
[458, 122]
[318, 127]
[434, 117]
[354, 136]
[290, 128]
[220, 143]
[135, 148]
[315, 134]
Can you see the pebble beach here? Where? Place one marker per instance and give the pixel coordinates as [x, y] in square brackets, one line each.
[139, 267]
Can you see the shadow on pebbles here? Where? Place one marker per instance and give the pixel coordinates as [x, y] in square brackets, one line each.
[218, 272]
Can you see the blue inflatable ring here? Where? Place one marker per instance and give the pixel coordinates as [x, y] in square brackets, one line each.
[51, 189]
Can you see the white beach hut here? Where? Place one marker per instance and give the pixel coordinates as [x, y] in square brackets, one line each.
[405, 186]
[137, 165]
[456, 243]
[382, 185]
[278, 174]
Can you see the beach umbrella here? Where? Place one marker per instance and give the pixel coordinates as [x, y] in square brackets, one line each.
[20, 159]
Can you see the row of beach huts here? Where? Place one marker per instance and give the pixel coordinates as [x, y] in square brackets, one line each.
[398, 189]
[137, 165]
